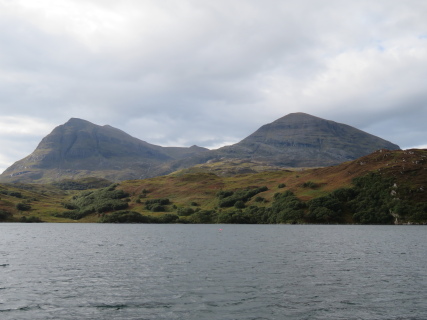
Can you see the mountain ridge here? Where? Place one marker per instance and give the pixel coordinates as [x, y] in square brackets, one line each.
[80, 148]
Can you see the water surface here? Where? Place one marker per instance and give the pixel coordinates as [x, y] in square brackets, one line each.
[99, 271]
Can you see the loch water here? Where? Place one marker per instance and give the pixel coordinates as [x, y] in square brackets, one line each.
[136, 271]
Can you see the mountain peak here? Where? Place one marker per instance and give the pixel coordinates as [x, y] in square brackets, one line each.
[77, 121]
[299, 116]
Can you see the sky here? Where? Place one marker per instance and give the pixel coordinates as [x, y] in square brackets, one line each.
[210, 72]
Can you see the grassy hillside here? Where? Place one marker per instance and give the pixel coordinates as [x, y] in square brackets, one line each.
[384, 187]
[31, 203]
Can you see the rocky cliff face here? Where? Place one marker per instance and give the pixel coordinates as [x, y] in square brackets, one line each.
[79, 148]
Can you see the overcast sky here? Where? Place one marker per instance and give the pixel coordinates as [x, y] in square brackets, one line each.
[210, 72]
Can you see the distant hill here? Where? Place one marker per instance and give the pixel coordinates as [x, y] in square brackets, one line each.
[79, 149]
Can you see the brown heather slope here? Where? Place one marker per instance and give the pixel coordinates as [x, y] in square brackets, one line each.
[408, 167]
[43, 201]
[199, 190]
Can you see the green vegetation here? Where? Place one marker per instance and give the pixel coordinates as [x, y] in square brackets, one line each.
[5, 215]
[11, 193]
[157, 205]
[239, 197]
[184, 212]
[310, 184]
[21, 206]
[286, 208]
[324, 209]
[377, 201]
[384, 188]
[203, 216]
[82, 184]
[30, 219]
[373, 202]
[99, 201]
[135, 217]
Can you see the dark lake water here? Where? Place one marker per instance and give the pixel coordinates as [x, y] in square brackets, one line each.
[98, 271]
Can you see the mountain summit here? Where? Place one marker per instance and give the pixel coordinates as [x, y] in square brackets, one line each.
[80, 148]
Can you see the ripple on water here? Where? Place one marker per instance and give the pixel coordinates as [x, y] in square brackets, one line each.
[193, 272]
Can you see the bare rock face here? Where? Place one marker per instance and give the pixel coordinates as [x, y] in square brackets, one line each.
[79, 149]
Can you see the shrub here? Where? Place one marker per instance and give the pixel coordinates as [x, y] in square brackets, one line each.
[168, 218]
[15, 194]
[72, 214]
[4, 214]
[162, 201]
[82, 184]
[239, 204]
[135, 217]
[259, 199]
[310, 184]
[69, 206]
[324, 209]
[23, 206]
[31, 219]
[110, 205]
[224, 194]
[125, 217]
[156, 208]
[372, 202]
[286, 208]
[183, 212]
[203, 216]
[229, 198]
[101, 200]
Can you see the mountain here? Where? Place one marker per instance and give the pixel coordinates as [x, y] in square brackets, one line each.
[302, 140]
[79, 149]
